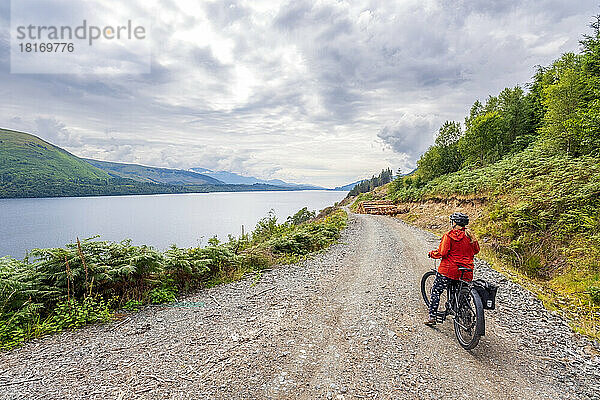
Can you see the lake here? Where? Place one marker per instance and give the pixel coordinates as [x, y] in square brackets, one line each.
[157, 220]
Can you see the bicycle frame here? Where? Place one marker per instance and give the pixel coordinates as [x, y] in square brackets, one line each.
[451, 307]
[462, 302]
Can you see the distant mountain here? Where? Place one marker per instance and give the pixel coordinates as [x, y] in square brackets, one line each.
[227, 177]
[233, 178]
[348, 187]
[32, 167]
[142, 173]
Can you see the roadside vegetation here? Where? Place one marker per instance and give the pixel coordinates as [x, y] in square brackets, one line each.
[531, 158]
[86, 282]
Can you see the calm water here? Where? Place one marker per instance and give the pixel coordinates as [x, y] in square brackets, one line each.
[157, 220]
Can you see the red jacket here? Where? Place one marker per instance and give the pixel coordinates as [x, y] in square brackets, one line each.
[456, 249]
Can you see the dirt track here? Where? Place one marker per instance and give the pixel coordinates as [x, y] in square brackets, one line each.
[345, 324]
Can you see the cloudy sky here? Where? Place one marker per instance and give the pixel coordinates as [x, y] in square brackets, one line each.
[320, 92]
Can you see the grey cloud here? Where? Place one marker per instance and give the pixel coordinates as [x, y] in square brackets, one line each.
[123, 153]
[555, 9]
[346, 61]
[5, 11]
[409, 135]
[483, 7]
[56, 132]
[326, 69]
[4, 53]
[20, 124]
[204, 58]
[292, 15]
[159, 74]
[225, 12]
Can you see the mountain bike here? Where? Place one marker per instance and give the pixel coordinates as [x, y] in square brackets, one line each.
[463, 303]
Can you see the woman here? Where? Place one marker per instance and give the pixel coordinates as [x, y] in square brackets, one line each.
[457, 249]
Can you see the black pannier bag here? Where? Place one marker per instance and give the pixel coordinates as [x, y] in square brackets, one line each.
[487, 292]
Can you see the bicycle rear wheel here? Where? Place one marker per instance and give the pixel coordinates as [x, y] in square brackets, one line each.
[469, 323]
[426, 285]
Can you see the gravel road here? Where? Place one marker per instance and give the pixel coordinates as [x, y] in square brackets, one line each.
[346, 324]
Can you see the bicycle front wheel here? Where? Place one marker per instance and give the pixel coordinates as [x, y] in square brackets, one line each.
[469, 323]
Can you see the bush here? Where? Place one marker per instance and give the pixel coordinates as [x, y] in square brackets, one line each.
[301, 217]
[164, 294]
[133, 305]
[595, 294]
[309, 238]
[257, 258]
[15, 327]
[186, 267]
[27, 322]
[74, 314]
[66, 288]
[96, 267]
[267, 227]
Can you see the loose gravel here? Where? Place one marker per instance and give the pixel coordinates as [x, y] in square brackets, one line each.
[345, 324]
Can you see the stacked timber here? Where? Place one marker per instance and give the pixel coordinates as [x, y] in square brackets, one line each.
[379, 207]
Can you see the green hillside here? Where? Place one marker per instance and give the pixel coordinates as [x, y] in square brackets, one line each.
[25, 158]
[142, 173]
[526, 166]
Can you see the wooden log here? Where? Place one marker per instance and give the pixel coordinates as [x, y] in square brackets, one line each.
[378, 207]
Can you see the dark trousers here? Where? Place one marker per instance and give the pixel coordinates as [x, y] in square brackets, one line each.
[439, 285]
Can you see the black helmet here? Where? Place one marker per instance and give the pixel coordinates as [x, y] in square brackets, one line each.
[460, 219]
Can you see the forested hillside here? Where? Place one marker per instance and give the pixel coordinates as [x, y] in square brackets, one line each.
[531, 156]
[369, 184]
